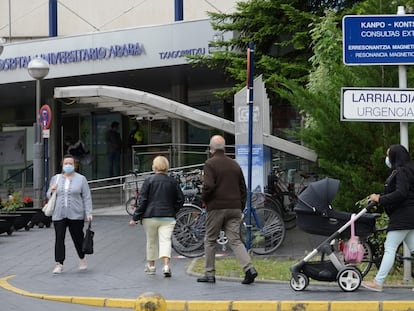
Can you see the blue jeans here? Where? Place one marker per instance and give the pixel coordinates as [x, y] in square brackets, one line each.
[393, 240]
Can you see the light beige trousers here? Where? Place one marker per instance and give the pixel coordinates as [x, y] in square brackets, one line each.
[158, 233]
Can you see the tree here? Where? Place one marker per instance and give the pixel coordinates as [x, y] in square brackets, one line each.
[298, 49]
[350, 151]
[280, 32]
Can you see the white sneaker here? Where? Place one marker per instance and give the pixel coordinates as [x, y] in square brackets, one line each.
[58, 269]
[167, 271]
[149, 269]
[83, 265]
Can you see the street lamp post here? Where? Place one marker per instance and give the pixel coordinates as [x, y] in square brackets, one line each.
[38, 69]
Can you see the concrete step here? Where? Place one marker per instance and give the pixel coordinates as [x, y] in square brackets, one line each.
[105, 197]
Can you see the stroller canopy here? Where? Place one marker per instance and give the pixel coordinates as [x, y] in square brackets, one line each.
[318, 195]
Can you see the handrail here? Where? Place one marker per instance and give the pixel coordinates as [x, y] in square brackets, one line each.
[177, 154]
[18, 173]
[120, 182]
[123, 177]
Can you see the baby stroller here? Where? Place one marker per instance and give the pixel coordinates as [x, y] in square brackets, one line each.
[316, 216]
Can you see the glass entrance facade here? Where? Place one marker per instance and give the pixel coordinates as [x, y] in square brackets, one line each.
[84, 136]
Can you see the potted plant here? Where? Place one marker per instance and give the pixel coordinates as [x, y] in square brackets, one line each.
[14, 206]
[27, 201]
[13, 202]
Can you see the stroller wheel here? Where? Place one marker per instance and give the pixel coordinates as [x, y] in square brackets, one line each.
[301, 284]
[349, 279]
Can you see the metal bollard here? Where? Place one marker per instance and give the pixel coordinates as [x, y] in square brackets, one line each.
[150, 301]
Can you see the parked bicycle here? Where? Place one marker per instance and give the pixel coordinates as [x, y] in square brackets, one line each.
[132, 203]
[267, 230]
[190, 183]
[282, 193]
[189, 231]
[374, 251]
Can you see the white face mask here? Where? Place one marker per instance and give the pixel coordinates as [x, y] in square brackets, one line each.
[68, 168]
[387, 162]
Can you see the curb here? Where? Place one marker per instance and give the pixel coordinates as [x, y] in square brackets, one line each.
[89, 301]
[190, 271]
[225, 305]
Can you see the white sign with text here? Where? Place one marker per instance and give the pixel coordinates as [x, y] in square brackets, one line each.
[377, 104]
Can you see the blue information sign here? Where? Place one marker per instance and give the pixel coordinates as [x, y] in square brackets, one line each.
[378, 39]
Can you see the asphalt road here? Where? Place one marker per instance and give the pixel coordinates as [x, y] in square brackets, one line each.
[116, 271]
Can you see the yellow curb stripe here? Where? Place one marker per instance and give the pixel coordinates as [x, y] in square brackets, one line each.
[66, 299]
[257, 305]
[90, 301]
[5, 284]
[176, 305]
[304, 305]
[397, 305]
[355, 306]
[120, 303]
[208, 305]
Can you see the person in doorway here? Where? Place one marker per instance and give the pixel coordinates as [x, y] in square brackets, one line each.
[73, 205]
[159, 201]
[114, 148]
[136, 136]
[224, 195]
[398, 202]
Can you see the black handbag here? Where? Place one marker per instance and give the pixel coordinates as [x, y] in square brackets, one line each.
[87, 246]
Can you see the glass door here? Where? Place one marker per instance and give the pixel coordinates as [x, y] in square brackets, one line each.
[101, 125]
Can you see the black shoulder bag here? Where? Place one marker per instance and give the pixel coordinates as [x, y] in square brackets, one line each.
[87, 246]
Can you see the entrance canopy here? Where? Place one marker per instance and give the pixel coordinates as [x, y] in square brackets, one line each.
[146, 105]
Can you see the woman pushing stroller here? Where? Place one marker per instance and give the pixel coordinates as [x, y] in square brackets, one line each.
[398, 202]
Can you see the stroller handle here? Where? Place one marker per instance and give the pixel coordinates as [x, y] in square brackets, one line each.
[372, 206]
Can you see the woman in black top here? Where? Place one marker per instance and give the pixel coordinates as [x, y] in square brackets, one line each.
[398, 203]
[159, 200]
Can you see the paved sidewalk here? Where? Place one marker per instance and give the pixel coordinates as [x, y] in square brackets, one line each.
[115, 277]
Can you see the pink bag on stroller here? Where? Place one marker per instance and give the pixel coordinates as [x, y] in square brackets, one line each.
[353, 249]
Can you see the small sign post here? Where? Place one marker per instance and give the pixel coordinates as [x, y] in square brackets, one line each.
[45, 118]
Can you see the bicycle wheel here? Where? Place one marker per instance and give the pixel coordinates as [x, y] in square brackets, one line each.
[365, 265]
[267, 231]
[189, 231]
[289, 216]
[130, 206]
[287, 213]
